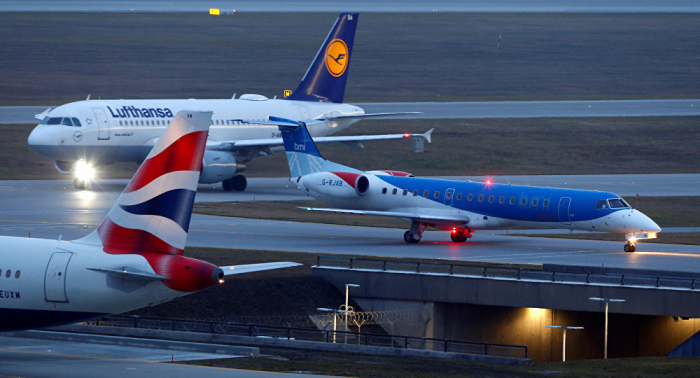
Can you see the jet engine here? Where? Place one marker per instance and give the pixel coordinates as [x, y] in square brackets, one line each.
[64, 167]
[218, 166]
[391, 173]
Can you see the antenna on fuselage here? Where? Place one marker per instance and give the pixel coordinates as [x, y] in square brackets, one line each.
[88, 97]
[234, 97]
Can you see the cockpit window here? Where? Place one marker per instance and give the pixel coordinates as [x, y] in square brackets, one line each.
[53, 120]
[76, 122]
[617, 203]
[67, 122]
[602, 204]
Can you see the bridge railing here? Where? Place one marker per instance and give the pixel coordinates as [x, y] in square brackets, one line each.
[506, 272]
[308, 334]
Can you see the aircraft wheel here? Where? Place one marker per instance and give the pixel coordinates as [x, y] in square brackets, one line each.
[458, 237]
[630, 247]
[409, 238]
[227, 185]
[239, 183]
[81, 184]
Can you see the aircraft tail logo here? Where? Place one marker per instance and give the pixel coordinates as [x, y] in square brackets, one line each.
[326, 77]
[153, 213]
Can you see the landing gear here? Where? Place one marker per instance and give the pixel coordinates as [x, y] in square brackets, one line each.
[460, 235]
[630, 247]
[409, 238]
[415, 234]
[237, 183]
[81, 184]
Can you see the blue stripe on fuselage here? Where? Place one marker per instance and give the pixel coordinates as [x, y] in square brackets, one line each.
[582, 207]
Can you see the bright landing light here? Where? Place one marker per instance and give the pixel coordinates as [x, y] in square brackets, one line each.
[83, 171]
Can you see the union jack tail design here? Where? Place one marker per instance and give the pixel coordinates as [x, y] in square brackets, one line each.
[153, 213]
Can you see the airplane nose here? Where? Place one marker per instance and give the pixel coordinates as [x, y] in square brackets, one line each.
[639, 222]
[41, 141]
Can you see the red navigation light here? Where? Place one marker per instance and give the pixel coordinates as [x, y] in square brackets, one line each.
[454, 230]
[407, 135]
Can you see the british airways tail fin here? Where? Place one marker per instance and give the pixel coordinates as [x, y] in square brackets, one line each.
[326, 77]
[153, 213]
[302, 155]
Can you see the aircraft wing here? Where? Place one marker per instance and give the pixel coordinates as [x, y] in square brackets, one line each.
[273, 142]
[426, 218]
[249, 268]
[370, 115]
[129, 274]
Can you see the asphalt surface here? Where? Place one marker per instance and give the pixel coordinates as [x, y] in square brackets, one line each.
[47, 209]
[572, 6]
[475, 110]
[20, 357]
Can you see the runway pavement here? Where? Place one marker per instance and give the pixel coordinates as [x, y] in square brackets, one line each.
[20, 357]
[48, 209]
[470, 110]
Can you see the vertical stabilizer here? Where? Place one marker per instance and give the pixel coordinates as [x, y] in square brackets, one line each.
[302, 155]
[326, 77]
[153, 213]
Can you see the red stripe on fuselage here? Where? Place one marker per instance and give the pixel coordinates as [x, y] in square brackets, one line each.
[185, 154]
[348, 177]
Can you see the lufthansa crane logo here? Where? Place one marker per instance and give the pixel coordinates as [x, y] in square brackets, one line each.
[336, 57]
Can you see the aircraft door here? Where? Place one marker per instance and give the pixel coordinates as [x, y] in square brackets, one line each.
[564, 205]
[449, 195]
[304, 112]
[102, 124]
[55, 278]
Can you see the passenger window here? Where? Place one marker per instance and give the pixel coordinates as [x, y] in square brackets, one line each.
[512, 200]
[459, 196]
[470, 197]
[481, 197]
[405, 191]
[17, 274]
[490, 199]
[534, 202]
[54, 121]
[415, 193]
[394, 191]
[523, 201]
[76, 122]
[436, 195]
[425, 194]
[546, 203]
[9, 272]
[384, 191]
[502, 199]
[448, 195]
[120, 123]
[602, 204]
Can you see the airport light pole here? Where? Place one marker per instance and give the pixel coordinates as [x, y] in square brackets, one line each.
[347, 297]
[607, 304]
[563, 348]
[335, 315]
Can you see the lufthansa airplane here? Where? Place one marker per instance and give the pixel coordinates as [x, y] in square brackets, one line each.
[86, 134]
[133, 259]
[456, 206]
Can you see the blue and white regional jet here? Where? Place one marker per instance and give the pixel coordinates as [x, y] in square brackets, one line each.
[86, 134]
[456, 206]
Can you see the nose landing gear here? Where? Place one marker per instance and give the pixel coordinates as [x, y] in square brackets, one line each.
[630, 246]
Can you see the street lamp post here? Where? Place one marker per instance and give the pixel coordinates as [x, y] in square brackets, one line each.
[563, 348]
[347, 297]
[335, 313]
[607, 304]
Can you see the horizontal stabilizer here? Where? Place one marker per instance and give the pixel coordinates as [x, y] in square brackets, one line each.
[130, 274]
[249, 268]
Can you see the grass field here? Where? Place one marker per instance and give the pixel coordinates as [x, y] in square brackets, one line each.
[53, 58]
[462, 147]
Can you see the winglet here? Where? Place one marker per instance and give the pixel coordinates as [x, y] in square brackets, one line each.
[427, 135]
[42, 115]
[325, 79]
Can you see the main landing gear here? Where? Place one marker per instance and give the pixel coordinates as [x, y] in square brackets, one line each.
[81, 184]
[460, 235]
[415, 234]
[237, 183]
